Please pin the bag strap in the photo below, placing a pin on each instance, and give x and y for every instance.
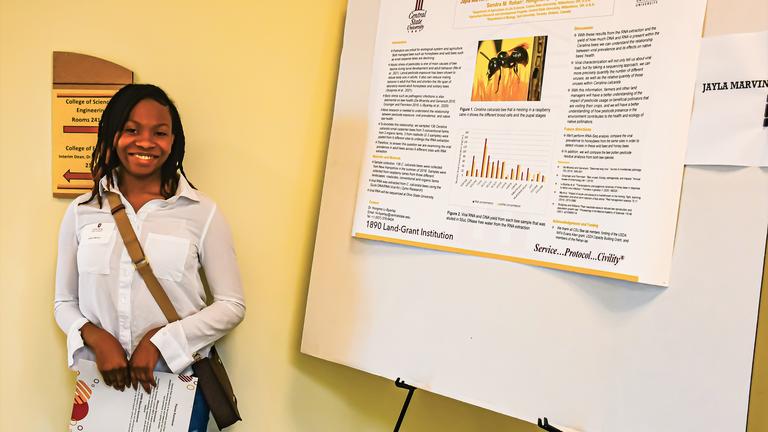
(139, 259)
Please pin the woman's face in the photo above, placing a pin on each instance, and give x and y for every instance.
(145, 141)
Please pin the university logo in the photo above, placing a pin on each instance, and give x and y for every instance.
(416, 18)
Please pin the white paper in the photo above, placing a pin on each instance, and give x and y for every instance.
(548, 133)
(729, 125)
(98, 407)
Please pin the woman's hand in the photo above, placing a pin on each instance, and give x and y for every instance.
(143, 362)
(110, 357)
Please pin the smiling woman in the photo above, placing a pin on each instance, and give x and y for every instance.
(101, 302)
(142, 120)
(145, 142)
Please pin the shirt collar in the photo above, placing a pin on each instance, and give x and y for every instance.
(184, 189)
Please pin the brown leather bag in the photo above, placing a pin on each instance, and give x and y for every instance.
(217, 389)
(211, 375)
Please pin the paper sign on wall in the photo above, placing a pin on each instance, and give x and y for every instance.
(729, 125)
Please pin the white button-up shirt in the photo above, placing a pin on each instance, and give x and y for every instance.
(96, 281)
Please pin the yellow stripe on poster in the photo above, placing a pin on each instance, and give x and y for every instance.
(582, 270)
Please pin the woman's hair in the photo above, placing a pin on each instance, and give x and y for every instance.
(104, 159)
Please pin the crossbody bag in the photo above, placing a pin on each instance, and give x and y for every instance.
(211, 375)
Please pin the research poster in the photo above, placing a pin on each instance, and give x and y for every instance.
(98, 407)
(549, 133)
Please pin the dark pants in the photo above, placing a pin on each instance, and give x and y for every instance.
(200, 413)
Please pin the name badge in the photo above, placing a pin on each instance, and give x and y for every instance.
(98, 232)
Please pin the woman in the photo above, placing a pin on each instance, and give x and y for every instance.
(101, 302)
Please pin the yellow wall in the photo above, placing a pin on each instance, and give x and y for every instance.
(254, 82)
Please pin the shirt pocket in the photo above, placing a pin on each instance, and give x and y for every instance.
(94, 250)
(167, 255)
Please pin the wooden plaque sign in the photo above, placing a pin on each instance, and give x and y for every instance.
(82, 86)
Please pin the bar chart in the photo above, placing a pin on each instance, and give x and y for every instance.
(503, 168)
(497, 169)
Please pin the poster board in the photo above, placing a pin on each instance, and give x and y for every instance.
(589, 353)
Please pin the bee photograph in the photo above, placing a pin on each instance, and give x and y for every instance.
(509, 69)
